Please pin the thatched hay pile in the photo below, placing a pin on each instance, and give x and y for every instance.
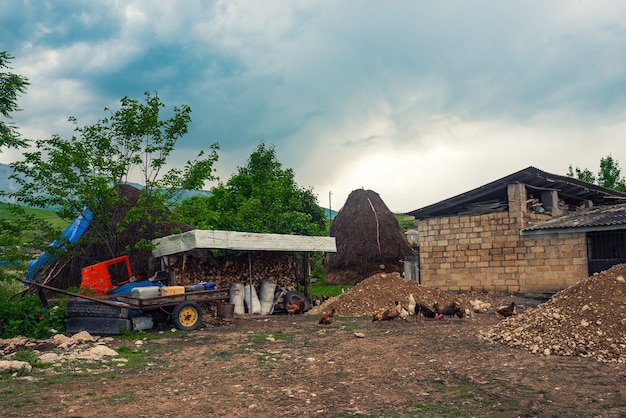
(369, 240)
(66, 270)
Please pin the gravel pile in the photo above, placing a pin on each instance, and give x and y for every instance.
(587, 320)
(382, 289)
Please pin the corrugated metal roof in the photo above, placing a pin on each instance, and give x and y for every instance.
(492, 196)
(593, 219)
(241, 241)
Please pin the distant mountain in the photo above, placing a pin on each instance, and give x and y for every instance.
(330, 213)
(6, 184)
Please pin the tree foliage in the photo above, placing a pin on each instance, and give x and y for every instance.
(11, 85)
(609, 175)
(14, 252)
(260, 197)
(73, 175)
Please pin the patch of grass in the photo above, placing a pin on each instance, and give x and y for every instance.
(130, 335)
(262, 337)
(30, 357)
(49, 215)
(319, 288)
(122, 398)
(135, 358)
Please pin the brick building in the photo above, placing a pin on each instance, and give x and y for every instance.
(530, 232)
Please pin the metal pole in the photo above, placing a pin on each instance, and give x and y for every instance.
(330, 209)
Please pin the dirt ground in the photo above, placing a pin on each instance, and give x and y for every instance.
(563, 357)
(291, 366)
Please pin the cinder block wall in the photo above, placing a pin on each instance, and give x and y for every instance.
(487, 253)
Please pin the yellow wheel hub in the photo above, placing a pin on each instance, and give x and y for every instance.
(188, 316)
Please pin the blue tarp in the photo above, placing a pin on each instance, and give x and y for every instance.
(71, 234)
(128, 287)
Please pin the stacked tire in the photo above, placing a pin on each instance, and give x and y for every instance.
(291, 297)
(96, 318)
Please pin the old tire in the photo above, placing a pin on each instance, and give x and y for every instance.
(293, 296)
(98, 325)
(88, 308)
(187, 315)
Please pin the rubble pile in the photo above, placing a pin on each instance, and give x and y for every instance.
(57, 350)
(382, 289)
(586, 320)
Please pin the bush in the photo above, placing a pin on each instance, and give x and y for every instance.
(27, 317)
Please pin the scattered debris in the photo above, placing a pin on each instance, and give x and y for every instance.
(59, 348)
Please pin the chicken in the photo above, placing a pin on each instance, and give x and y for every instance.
(294, 308)
(507, 310)
(411, 304)
(424, 310)
(328, 317)
(449, 309)
(378, 315)
(392, 313)
(404, 314)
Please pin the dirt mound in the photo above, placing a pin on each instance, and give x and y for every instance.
(586, 320)
(382, 289)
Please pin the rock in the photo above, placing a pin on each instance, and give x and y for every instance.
(49, 358)
(83, 336)
(10, 366)
(96, 353)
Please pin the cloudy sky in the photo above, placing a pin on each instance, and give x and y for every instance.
(416, 100)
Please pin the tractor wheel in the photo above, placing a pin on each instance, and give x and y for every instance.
(97, 325)
(87, 308)
(187, 315)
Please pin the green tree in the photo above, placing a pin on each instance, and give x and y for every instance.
(261, 197)
(83, 172)
(608, 176)
(17, 239)
(11, 85)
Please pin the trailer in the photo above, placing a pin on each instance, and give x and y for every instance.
(183, 309)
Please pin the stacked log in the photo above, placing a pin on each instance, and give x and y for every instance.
(278, 267)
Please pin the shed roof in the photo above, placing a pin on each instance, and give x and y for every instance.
(492, 196)
(242, 241)
(600, 218)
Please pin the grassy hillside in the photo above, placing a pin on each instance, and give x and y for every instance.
(48, 215)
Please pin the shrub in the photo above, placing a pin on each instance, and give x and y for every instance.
(27, 317)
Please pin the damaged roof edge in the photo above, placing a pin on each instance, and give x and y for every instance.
(241, 241)
(547, 231)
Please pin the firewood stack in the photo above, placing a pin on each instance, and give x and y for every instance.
(278, 267)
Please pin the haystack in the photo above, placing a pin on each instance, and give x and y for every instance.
(369, 240)
(66, 270)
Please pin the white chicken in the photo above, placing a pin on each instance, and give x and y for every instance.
(411, 305)
(404, 314)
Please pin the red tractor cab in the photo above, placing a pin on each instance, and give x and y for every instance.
(106, 275)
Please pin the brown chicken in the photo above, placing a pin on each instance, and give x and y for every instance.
(328, 317)
(390, 314)
(507, 310)
(378, 315)
(294, 308)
